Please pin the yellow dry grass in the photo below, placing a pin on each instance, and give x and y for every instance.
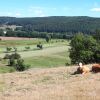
(50, 84)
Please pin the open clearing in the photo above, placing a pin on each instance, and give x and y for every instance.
(49, 84)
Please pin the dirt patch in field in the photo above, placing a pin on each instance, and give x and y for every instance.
(50, 84)
(14, 38)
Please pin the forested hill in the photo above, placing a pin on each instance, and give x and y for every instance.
(55, 24)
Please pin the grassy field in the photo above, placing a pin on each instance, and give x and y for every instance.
(53, 60)
(28, 42)
(50, 84)
(21, 44)
(55, 53)
(48, 78)
(6, 69)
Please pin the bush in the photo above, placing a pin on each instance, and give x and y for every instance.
(15, 56)
(8, 49)
(48, 38)
(20, 66)
(11, 62)
(16, 62)
(39, 46)
(15, 49)
(67, 63)
(7, 56)
(83, 49)
(97, 53)
(27, 48)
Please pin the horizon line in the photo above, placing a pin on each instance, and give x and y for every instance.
(48, 16)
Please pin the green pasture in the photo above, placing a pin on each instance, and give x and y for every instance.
(53, 60)
(33, 41)
(54, 54)
(21, 44)
(6, 69)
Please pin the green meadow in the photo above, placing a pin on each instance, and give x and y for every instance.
(54, 54)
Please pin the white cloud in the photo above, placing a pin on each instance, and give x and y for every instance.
(95, 9)
(17, 14)
(37, 11)
(41, 11)
(9, 14)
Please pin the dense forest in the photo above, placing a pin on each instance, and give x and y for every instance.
(57, 26)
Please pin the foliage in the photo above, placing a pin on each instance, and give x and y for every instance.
(15, 49)
(27, 48)
(15, 56)
(48, 37)
(11, 62)
(39, 46)
(20, 66)
(8, 49)
(54, 24)
(83, 49)
(58, 26)
(16, 62)
(97, 53)
(7, 56)
(12, 59)
(97, 35)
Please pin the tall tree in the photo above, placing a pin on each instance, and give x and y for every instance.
(83, 49)
(97, 35)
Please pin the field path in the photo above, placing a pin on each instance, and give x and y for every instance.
(45, 51)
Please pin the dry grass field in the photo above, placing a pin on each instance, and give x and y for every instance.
(49, 84)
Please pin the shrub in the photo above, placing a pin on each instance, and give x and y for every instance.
(48, 38)
(15, 56)
(97, 53)
(12, 58)
(8, 49)
(15, 49)
(11, 62)
(27, 48)
(67, 63)
(83, 49)
(16, 62)
(20, 66)
(39, 46)
(7, 56)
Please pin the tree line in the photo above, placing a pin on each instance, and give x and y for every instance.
(55, 24)
(34, 34)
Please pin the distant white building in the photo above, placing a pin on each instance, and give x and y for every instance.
(13, 27)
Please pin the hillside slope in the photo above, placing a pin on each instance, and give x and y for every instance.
(55, 23)
(50, 84)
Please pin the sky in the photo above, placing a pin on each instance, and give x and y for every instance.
(42, 8)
